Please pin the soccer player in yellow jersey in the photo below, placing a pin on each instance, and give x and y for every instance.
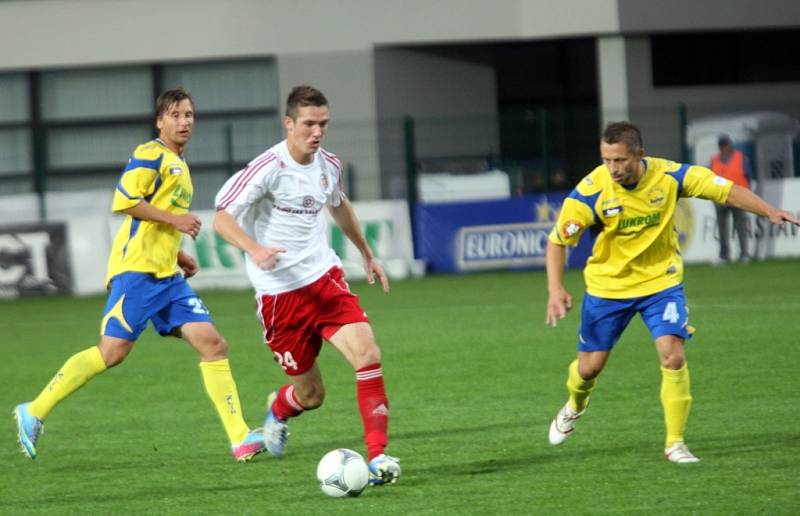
(146, 282)
(629, 202)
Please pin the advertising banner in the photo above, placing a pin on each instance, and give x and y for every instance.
(491, 235)
(696, 221)
(33, 260)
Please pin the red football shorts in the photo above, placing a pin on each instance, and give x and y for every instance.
(296, 322)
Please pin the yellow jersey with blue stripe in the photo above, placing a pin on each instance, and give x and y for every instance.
(155, 174)
(636, 251)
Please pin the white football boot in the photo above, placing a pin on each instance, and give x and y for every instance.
(680, 454)
(563, 424)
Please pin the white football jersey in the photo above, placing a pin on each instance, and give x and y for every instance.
(279, 203)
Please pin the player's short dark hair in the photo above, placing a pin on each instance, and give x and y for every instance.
(623, 132)
(302, 96)
(171, 97)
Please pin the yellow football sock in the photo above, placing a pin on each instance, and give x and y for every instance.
(677, 402)
(74, 374)
(222, 390)
(579, 389)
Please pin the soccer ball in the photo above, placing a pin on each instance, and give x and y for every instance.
(342, 472)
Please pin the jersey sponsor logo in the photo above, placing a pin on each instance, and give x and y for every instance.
(656, 197)
(651, 219)
(181, 198)
(294, 211)
(501, 245)
(571, 228)
(612, 211)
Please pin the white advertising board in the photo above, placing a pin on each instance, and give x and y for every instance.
(385, 224)
(696, 220)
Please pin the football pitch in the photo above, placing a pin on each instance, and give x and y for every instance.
(474, 378)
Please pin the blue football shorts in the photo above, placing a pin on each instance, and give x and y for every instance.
(603, 320)
(135, 298)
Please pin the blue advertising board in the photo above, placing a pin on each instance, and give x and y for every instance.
(490, 235)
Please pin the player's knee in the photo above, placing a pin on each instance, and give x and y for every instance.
(113, 358)
(673, 361)
(589, 371)
(215, 348)
(367, 355)
(114, 354)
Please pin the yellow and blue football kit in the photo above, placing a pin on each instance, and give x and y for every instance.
(145, 284)
(636, 250)
(635, 266)
(143, 276)
(159, 176)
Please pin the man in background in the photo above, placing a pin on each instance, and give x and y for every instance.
(733, 165)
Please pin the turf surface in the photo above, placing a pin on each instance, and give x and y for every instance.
(474, 378)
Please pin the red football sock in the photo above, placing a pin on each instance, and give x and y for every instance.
(286, 404)
(374, 408)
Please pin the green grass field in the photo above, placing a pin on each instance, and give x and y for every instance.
(474, 378)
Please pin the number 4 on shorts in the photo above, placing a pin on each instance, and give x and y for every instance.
(671, 313)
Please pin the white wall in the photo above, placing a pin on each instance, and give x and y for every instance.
(44, 33)
(326, 44)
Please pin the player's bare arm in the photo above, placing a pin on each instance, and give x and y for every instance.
(187, 223)
(188, 264)
(559, 301)
(226, 226)
(746, 200)
(345, 217)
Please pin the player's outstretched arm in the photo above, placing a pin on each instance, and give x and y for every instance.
(559, 302)
(345, 217)
(187, 223)
(227, 227)
(745, 199)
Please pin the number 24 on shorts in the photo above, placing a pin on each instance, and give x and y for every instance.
(285, 360)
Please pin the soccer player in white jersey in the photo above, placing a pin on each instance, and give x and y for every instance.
(272, 210)
(146, 282)
(629, 202)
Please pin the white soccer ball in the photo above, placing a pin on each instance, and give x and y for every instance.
(342, 472)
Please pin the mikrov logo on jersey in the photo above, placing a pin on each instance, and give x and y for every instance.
(501, 245)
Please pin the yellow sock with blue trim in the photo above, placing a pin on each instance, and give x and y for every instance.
(74, 374)
(677, 402)
(221, 389)
(579, 389)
